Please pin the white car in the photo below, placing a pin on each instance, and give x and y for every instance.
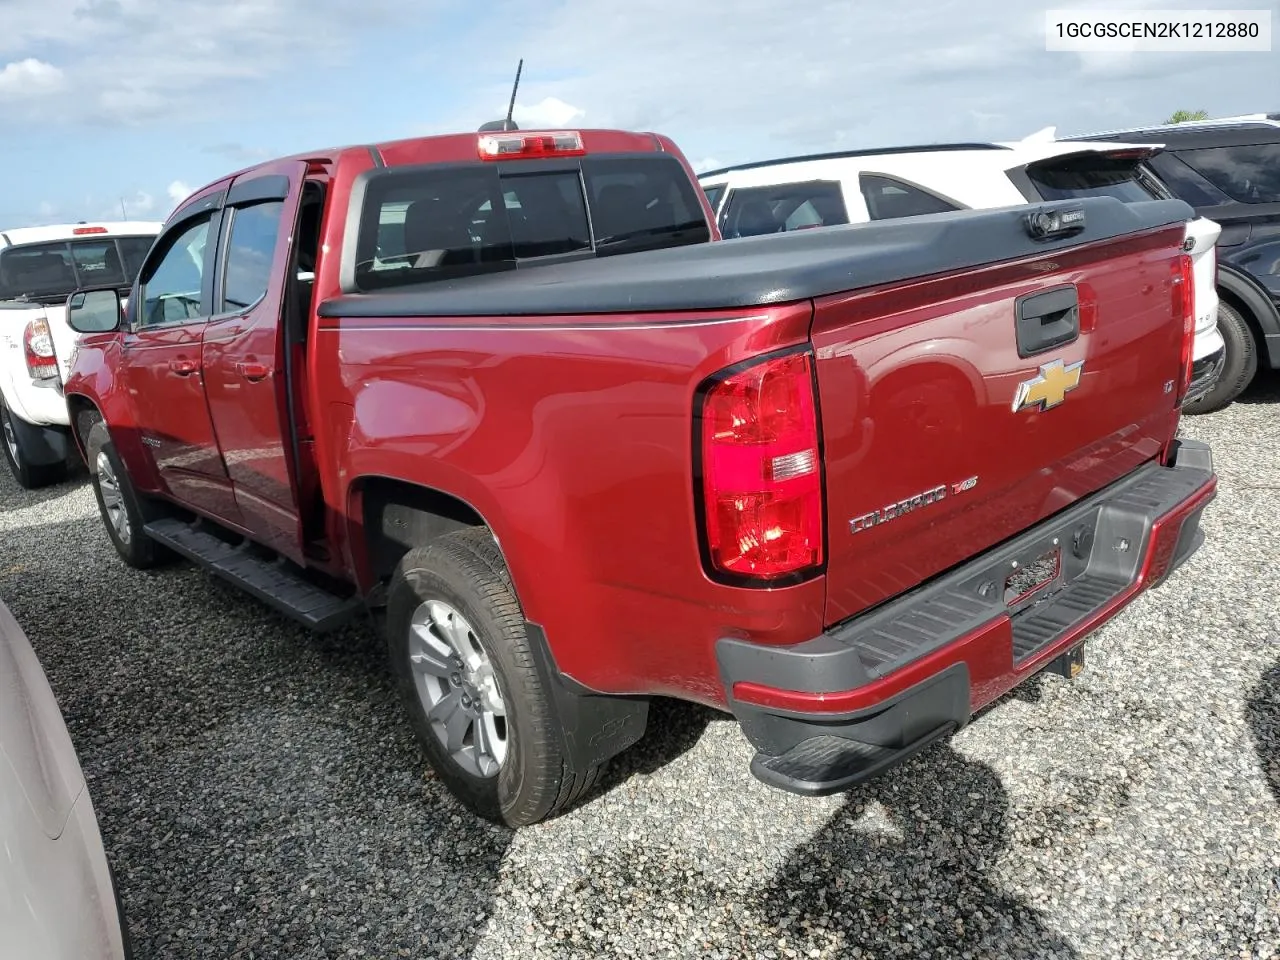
(858, 186)
(39, 268)
(57, 897)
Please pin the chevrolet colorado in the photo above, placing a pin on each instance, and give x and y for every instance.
(500, 392)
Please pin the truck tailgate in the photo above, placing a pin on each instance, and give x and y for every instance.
(959, 410)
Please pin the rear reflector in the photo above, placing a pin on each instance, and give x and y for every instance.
(81, 231)
(512, 146)
(761, 484)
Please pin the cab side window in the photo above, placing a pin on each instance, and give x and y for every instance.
(172, 285)
(250, 249)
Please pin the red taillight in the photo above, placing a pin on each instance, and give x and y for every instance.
(37, 345)
(1184, 307)
(761, 473)
(81, 231)
(512, 146)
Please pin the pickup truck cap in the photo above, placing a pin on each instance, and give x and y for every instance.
(756, 271)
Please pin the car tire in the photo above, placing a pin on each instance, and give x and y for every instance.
(1239, 366)
(124, 513)
(14, 442)
(480, 709)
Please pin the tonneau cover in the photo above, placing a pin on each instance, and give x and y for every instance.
(755, 271)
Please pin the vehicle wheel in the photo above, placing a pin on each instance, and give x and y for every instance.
(13, 439)
(1240, 366)
(124, 513)
(481, 712)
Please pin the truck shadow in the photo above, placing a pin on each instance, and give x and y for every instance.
(925, 882)
(674, 728)
(903, 868)
(1263, 711)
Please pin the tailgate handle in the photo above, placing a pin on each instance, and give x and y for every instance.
(1047, 320)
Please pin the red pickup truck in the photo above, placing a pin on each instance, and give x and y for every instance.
(500, 392)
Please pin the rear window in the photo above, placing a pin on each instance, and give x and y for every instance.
(1246, 174)
(890, 199)
(782, 208)
(1092, 176)
(435, 222)
(50, 272)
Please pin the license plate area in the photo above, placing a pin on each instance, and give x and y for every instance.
(1019, 578)
(1031, 578)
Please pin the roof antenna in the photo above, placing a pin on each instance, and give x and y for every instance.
(508, 123)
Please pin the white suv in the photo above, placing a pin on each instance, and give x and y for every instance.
(39, 268)
(857, 186)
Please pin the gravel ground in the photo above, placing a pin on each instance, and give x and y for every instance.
(261, 796)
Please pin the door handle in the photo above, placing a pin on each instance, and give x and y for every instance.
(253, 371)
(183, 367)
(1047, 320)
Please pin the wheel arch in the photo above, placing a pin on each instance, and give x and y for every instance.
(83, 414)
(1244, 293)
(387, 517)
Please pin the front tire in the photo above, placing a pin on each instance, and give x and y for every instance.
(1239, 366)
(461, 657)
(124, 514)
(15, 441)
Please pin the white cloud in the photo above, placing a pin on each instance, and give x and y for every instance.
(705, 164)
(178, 191)
(546, 113)
(30, 78)
(754, 78)
(134, 61)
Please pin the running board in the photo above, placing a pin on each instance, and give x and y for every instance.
(274, 583)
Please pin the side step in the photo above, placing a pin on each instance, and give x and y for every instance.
(273, 583)
(825, 764)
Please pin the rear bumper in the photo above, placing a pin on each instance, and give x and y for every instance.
(841, 708)
(40, 403)
(1204, 374)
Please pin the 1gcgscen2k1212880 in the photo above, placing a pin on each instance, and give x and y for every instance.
(510, 393)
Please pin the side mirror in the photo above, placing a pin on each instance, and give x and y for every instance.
(94, 311)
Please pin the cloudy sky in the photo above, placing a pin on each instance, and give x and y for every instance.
(139, 100)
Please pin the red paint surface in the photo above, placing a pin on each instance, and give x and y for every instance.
(575, 443)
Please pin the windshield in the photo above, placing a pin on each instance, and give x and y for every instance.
(51, 272)
(1092, 175)
(436, 222)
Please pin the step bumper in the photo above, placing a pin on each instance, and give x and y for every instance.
(848, 705)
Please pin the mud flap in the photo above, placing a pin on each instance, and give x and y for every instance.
(41, 446)
(593, 727)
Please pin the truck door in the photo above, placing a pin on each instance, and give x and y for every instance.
(161, 367)
(244, 353)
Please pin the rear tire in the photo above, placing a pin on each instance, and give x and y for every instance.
(124, 513)
(456, 630)
(14, 442)
(1241, 363)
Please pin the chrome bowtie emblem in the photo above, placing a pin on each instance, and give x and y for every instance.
(1049, 387)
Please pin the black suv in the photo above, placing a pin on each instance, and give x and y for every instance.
(1230, 172)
